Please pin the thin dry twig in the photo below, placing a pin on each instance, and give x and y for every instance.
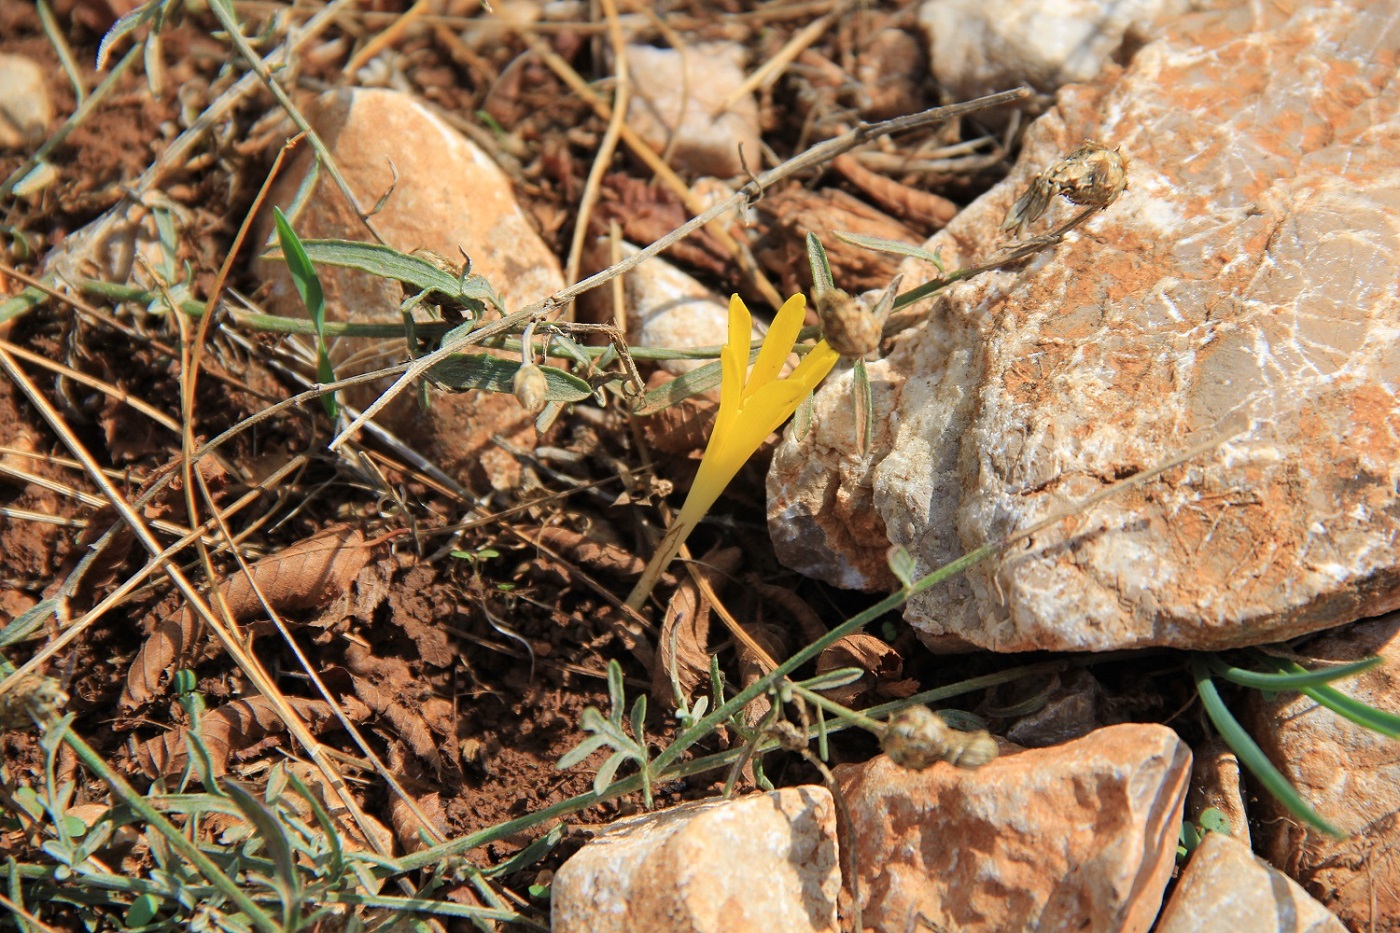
(606, 148)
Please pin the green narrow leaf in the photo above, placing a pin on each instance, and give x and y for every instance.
(581, 751)
(308, 283)
(323, 820)
(865, 408)
(605, 774)
(529, 855)
(639, 719)
(325, 374)
(822, 281)
(830, 680)
(493, 374)
(273, 835)
(616, 696)
(28, 622)
(1250, 754)
(1287, 678)
(1377, 720)
(123, 26)
(416, 271)
(902, 565)
(881, 245)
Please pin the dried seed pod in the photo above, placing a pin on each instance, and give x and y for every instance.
(1091, 176)
(917, 737)
(847, 325)
(531, 388)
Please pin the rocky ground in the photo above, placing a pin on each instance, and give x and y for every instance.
(258, 664)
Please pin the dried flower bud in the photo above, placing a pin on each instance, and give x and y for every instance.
(917, 737)
(531, 388)
(1091, 176)
(34, 697)
(847, 325)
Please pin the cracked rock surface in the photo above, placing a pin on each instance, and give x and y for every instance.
(1245, 284)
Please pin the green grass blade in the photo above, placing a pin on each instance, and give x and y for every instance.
(1250, 754)
(28, 622)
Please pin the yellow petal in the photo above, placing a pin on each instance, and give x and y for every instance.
(815, 365)
(777, 344)
(734, 364)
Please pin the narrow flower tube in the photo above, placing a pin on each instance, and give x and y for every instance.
(749, 410)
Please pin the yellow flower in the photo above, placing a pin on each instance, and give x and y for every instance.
(749, 410)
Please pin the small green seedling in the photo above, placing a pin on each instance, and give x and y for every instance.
(1211, 820)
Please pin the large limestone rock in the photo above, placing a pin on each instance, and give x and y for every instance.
(1247, 278)
(1348, 774)
(760, 863)
(1225, 889)
(1081, 836)
(451, 198)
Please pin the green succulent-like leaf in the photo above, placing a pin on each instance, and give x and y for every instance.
(1250, 754)
(1285, 677)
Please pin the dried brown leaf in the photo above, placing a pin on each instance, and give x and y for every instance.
(683, 428)
(687, 624)
(409, 828)
(923, 209)
(387, 686)
(790, 214)
(803, 616)
(881, 662)
(308, 574)
(231, 730)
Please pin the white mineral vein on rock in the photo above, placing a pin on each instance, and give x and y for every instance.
(1247, 277)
